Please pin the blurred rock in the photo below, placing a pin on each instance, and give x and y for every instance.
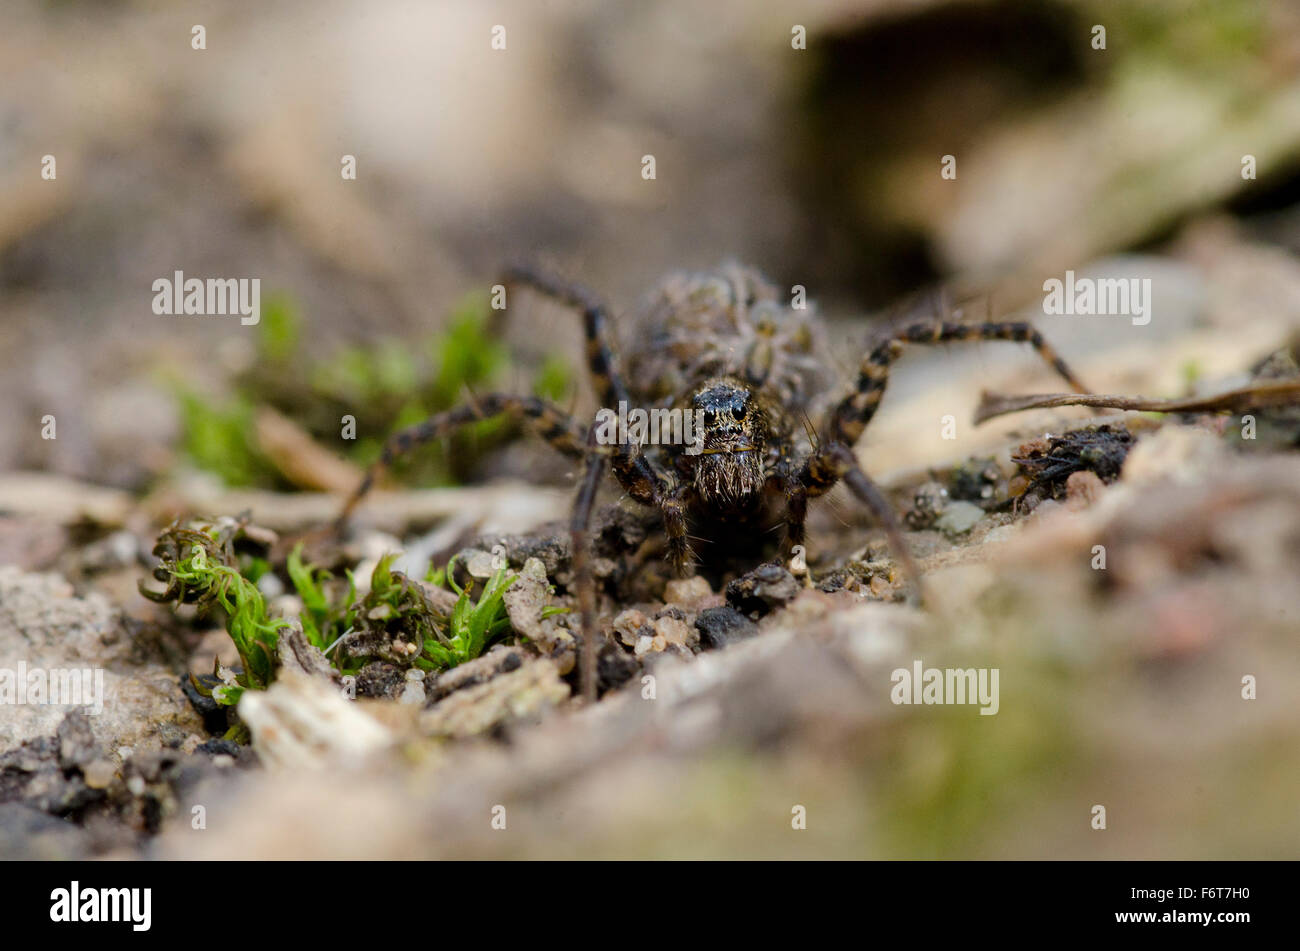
(302, 722)
(46, 627)
(520, 695)
(722, 626)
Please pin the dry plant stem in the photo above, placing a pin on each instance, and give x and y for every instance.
(1249, 397)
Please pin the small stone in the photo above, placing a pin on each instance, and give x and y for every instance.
(614, 668)
(480, 670)
(927, 504)
(270, 585)
(719, 627)
(1083, 488)
(880, 587)
(766, 587)
(219, 747)
(118, 550)
(675, 630)
(77, 746)
(43, 623)
(631, 625)
(974, 480)
(1179, 454)
(959, 518)
(304, 722)
(379, 679)
(686, 590)
(99, 773)
(481, 564)
(523, 694)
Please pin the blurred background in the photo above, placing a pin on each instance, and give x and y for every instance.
(820, 166)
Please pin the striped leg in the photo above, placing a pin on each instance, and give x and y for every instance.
(584, 582)
(608, 381)
(854, 412)
(785, 479)
(835, 461)
(555, 425)
(639, 477)
(648, 484)
(645, 483)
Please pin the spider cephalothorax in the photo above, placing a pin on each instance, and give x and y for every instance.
(728, 470)
(728, 346)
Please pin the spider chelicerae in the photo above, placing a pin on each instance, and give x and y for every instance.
(729, 345)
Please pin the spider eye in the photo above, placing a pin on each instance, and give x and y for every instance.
(737, 413)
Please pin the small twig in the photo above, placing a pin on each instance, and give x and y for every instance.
(1256, 396)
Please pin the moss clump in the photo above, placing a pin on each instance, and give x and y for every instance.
(384, 385)
(198, 563)
(472, 626)
(209, 565)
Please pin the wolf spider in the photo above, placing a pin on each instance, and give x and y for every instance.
(725, 344)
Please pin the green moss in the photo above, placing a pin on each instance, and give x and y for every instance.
(956, 775)
(217, 436)
(199, 566)
(324, 619)
(465, 354)
(553, 380)
(385, 384)
(473, 625)
(279, 329)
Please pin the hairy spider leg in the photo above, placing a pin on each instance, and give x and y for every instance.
(845, 424)
(556, 426)
(608, 381)
(848, 419)
(580, 556)
(834, 462)
(640, 477)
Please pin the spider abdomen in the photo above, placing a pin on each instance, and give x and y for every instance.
(732, 322)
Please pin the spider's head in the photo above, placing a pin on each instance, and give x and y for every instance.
(729, 466)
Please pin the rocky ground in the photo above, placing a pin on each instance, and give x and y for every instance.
(1130, 575)
(728, 710)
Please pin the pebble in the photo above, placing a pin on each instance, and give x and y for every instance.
(959, 518)
(719, 627)
(766, 587)
(99, 774)
(686, 590)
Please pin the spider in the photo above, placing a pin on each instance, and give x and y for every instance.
(726, 344)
